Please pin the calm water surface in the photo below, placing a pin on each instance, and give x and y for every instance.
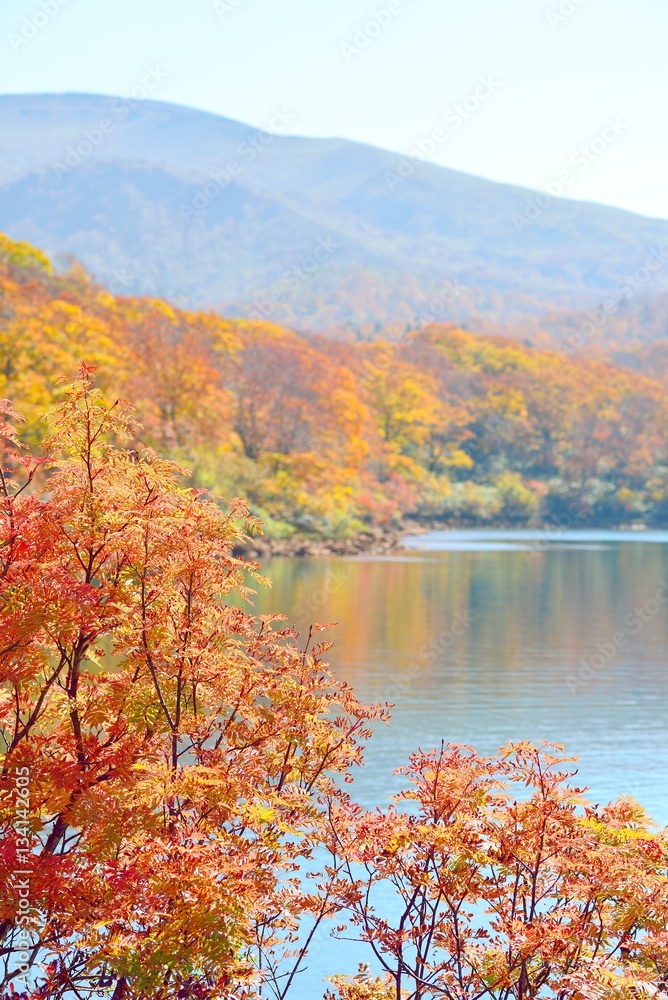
(481, 637)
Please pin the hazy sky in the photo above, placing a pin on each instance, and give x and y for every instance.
(387, 73)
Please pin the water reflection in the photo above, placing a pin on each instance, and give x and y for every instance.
(487, 637)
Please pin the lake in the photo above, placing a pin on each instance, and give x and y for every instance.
(509, 625)
(482, 637)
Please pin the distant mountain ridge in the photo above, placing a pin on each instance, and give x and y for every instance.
(162, 200)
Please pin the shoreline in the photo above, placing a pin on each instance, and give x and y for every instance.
(387, 541)
(375, 541)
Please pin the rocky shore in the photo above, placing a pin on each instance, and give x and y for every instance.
(375, 541)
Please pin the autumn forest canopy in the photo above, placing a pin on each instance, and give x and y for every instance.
(177, 817)
(177, 802)
(325, 437)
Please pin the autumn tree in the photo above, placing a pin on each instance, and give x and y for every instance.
(288, 398)
(402, 397)
(464, 890)
(168, 761)
(173, 810)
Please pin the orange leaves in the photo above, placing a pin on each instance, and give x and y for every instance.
(322, 436)
(185, 761)
(181, 754)
(7, 414)
(363, 986)
(288, 398)
(174, 377)
(485, 895)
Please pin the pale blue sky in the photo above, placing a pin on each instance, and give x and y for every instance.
(556, 83)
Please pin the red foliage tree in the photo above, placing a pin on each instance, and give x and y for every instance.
(465, 892)
(167, 759)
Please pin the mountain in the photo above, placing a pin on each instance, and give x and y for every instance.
(168, 201)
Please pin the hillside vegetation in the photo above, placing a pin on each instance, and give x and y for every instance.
(324, 437)
(178, 790)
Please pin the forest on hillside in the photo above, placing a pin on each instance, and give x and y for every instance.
(178, 810)
(326, 437)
